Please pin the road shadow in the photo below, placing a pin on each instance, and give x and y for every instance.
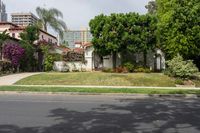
(136, 116)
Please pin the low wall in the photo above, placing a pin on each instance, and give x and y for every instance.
(62, 66)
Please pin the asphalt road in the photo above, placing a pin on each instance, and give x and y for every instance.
(97, 114)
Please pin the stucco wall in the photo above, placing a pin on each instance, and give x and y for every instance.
(89, 59)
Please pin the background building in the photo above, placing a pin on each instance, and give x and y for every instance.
(23, 19)
(80, 36)
(3, 14)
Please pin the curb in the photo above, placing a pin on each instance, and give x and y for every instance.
(102, 94)
(106, 87)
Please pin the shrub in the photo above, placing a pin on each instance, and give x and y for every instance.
(121, 70)
(143, 70)
(179, 82)
(48, 63)
(57, 57)
(5, 67)
(14, 53)
(107, 70)
(177, 67)
(129, 66)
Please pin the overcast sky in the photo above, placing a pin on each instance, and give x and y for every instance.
(77, 13)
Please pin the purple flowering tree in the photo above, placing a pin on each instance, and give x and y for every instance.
(14, 53)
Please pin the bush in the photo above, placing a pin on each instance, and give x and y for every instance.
(121, 70)
(48, 63)
(129, 66)
(57, 57)
(179, 82)
(107, 70)
(5, 67)
(143, 70)
(14, 53)
(177, 67)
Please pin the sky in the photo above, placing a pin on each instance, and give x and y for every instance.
(77, 13)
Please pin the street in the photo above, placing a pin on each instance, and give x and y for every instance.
(31, 113)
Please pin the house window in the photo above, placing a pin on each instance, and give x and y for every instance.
(42, 37)
(13, 35)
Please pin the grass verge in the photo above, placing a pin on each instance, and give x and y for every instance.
(99, 90)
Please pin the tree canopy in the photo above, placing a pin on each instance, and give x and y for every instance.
(122, 32)
(179, 26)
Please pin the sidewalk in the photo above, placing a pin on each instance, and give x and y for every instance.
(11, 79)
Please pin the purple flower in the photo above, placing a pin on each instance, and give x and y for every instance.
(13, 52)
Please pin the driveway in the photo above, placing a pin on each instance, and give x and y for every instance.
(26, 113)
(11, 79)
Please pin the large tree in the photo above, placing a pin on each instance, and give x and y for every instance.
(179, 26)
(51, 17)
(119, 33)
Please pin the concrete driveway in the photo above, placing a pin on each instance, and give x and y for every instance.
(11, 79)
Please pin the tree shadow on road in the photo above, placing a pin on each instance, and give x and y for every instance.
(137, 116)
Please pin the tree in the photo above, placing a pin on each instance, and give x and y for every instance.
(107, 34)
(3, 37)
(147, 35)
(28, 39)
(178, 27)
(120, 33)
(51, 17)
(151, 7)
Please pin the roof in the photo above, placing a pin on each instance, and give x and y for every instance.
(8, 23)
(48, 33)
(78, 50)
(16, 27)
(64, 49)
(87, 44)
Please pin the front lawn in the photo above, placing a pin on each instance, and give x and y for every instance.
(99, 90)
(100, 79)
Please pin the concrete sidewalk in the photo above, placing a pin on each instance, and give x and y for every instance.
(11, 79)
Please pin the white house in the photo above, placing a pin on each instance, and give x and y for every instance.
(155, 60)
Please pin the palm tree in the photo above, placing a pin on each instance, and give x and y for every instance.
(3, 37)
(51, 17)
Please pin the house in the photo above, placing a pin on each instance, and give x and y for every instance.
(14, 31)
(155, 60)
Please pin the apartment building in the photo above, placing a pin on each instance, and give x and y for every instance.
(23, 19)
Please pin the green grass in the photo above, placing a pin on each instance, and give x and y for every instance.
(99, 90)
(100, 79)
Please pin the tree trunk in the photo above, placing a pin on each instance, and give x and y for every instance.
(114, 60)
(45, 27)
(1, 54)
